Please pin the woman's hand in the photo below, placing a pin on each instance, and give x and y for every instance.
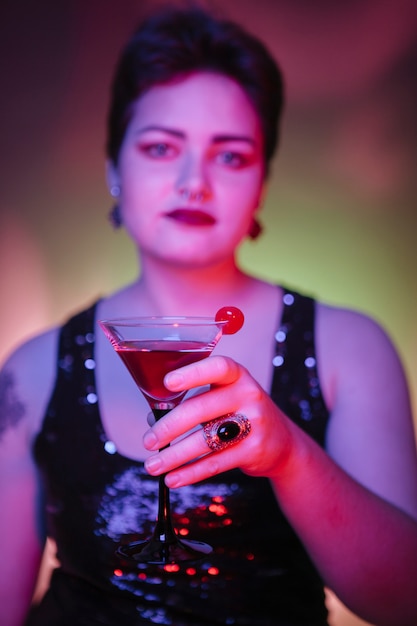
(233, 390)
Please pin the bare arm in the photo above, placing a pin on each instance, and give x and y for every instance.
(371, 437)
(356, 512)
(25, 382)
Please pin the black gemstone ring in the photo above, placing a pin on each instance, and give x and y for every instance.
(226, 431)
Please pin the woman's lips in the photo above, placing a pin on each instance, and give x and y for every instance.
(192, 217)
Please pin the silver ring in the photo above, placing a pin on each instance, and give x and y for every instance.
(226, 431)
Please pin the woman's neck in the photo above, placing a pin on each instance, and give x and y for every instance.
(175, 290)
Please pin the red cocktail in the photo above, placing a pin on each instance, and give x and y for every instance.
(149, 361)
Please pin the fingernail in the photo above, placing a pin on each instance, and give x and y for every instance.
(172, 481)
(174, 380)
(153, 464)
(150, 441)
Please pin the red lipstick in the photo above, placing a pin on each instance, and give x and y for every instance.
(191, 217)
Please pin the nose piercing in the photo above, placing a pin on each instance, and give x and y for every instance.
(194, 196)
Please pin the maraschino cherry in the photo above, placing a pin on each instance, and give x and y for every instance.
(234, 318)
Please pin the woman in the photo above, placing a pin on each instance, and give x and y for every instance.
(321, 491)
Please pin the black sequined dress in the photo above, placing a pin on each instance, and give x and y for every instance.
(258, 575)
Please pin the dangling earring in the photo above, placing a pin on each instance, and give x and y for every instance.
(115, 216)
(255, 229)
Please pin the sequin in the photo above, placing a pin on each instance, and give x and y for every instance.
(310, 362)
(92, 398)
(110, 447)
(280, 336)
(288, 299)
(278, 360)
(305, 410)
(66, 363)
(89, 364)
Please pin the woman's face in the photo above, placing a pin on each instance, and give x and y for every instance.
(191, 170)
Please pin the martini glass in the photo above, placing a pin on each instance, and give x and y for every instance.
(150, 347)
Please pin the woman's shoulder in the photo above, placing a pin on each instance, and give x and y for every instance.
(350, 328)
(26, 380)
(334, 323)
(28, 375)
(33, 349)
(354, 349)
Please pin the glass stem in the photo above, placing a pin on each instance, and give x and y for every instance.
(164, 529)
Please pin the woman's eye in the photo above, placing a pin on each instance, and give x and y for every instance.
(159, 150)
(232, 159)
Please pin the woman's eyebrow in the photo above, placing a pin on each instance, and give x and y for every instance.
(164, 129)
(226, 138)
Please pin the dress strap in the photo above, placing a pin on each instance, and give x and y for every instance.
(296, 385)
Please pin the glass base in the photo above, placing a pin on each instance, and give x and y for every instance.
(160, 552)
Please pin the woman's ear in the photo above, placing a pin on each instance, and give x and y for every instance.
(256, 228)
(261, 197)
(112, 177)
(113, 184)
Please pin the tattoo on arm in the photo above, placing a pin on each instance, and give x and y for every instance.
(11, 409)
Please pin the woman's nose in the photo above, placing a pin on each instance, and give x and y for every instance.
(193, 182)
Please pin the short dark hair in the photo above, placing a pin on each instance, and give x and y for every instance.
(175, 42)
